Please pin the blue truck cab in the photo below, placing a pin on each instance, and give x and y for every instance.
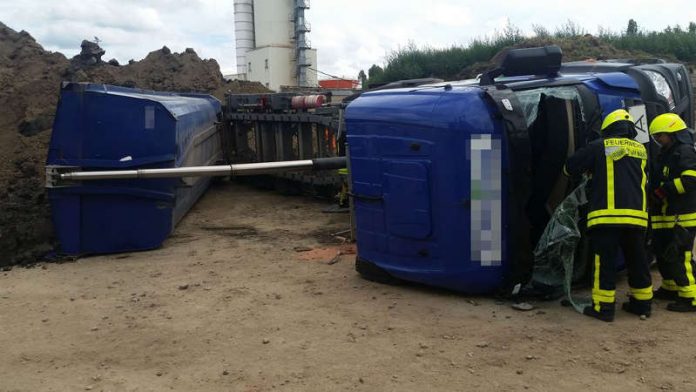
(454, 182)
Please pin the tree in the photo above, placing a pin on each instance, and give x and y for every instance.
(375, 71)
(632, 28)
(692, 27)
(362, 78)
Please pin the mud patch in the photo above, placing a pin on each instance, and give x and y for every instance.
(232, 231)
(330, 235)
(327, 254)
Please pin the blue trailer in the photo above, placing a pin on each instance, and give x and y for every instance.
(101, 127)
(454, 182)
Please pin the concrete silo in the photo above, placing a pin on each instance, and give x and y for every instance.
(243, 32)
(281, 53)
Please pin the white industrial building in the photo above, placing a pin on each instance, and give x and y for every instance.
(272, 44)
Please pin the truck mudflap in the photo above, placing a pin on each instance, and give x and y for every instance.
(518, 149)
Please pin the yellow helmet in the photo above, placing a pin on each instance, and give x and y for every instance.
(667, 123)
(616, 115)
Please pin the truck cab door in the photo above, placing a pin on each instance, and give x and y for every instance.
(518, 187)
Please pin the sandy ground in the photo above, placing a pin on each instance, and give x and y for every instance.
(235, 302)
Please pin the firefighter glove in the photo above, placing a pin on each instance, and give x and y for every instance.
(660, 193)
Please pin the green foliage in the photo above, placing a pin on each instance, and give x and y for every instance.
(540, 31)
(569, 29)
(672, 41)
(412, 62)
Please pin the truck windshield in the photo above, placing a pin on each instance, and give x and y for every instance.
(531, 99)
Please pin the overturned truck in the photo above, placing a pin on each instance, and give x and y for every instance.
(453, 183)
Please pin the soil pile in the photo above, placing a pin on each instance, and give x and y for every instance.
(160, 70)
(30, 79)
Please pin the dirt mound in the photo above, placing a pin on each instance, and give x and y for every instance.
(574, 49)
(160, 70)
(29, 82)
(30, 78)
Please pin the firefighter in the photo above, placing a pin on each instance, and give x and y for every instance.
(617, 216)
(674, 211)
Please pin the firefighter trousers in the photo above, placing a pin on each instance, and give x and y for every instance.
(673, 249)
(606, 242)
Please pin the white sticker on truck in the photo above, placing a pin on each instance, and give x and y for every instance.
(486, 235)
(149, 117)
(640, 117)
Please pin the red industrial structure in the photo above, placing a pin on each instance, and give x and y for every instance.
(339, 84)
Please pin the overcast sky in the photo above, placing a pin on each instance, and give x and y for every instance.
(349, 35)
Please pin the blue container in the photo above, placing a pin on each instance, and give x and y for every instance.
(101, 127)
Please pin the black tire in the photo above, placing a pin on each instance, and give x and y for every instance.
(369, 271)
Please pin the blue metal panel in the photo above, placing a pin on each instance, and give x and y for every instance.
(612, 97)
(107, 127)
(618, 80)
(411, 173)
(406, 188)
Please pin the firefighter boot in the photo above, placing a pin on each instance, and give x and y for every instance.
(682, 305)
(637, 307)
(605, 312)
(663, 293)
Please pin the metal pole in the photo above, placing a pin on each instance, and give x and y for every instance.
(243, 169)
